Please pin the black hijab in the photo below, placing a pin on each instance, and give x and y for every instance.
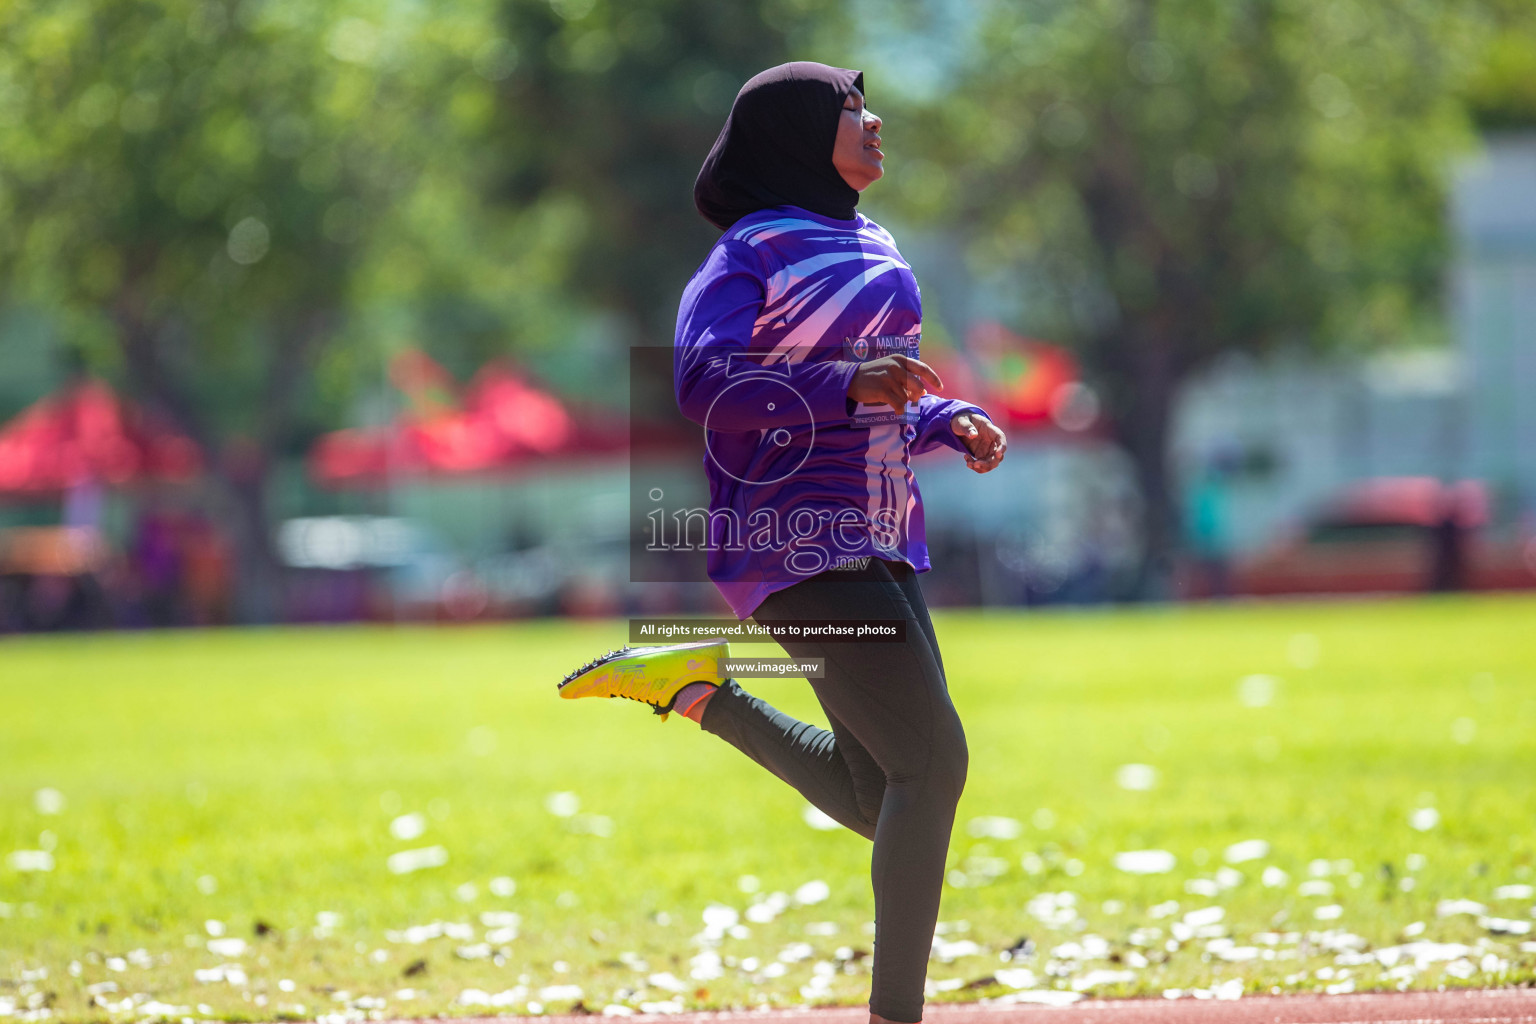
(776, 146)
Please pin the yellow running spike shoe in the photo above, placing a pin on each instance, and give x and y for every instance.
(650, 675)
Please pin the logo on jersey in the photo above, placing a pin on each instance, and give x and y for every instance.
(878, 346)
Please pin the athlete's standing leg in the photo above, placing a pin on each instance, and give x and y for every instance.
(892, 768)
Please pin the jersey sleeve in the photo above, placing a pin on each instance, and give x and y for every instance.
(711, 354)
(933, 429)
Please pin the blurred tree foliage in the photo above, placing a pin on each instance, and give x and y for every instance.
(201, 191)
(1501, 93)
(613, 105)
(1180, 178)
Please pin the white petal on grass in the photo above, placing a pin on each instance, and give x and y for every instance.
(1204, 916)
(48, 801)
(229, 948)
(1504, 925)
(1257, 691)
(1449, 908)
(1206, 887)
(1015, 977)
(502, 886)
(562, 804)
(1042, 997)
(408, 826)
(406, 861)
(1230, 951)
(1136, 777)
(795, 952)
(705, 966)
(812, 892)
(1054, 909)
(1515, 892)
(818, 819)
(1329, 912)
(30, 860)
(1315, 887)
(674, 1005)
(1424, 819)
(720, 916)
(994, 827)
(500, 919)
(1145, 862)
(1100, 978)
(1273, 877)
(948, 952)
(666, 981)
(232, 974)
(560, 993)
(1248, 849)
(617, 1010)
(1229, 878)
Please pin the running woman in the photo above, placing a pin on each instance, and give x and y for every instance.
(797, 350)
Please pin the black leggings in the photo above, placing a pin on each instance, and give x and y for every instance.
(892, 766)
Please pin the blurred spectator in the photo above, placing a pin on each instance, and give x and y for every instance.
(1208, 528)
(155, 562)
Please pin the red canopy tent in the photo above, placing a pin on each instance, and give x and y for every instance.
(86, 434)
(502, 421)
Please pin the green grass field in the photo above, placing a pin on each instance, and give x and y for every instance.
(202, 822)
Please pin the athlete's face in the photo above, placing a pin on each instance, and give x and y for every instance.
(856, 154)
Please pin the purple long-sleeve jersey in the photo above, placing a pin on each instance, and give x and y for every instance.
(770, 331)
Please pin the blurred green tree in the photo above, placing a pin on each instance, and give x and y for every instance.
(1502, 91)
(615, 105)
(1181, 178)
(213, 197)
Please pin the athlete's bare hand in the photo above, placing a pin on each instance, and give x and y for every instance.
(894, 381)
(984, 442)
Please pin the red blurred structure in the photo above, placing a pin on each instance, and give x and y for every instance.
(86, 434)
(502, 422)
(1393, 535)
(1027, 380)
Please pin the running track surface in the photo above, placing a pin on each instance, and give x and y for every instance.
(1500, 1006)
